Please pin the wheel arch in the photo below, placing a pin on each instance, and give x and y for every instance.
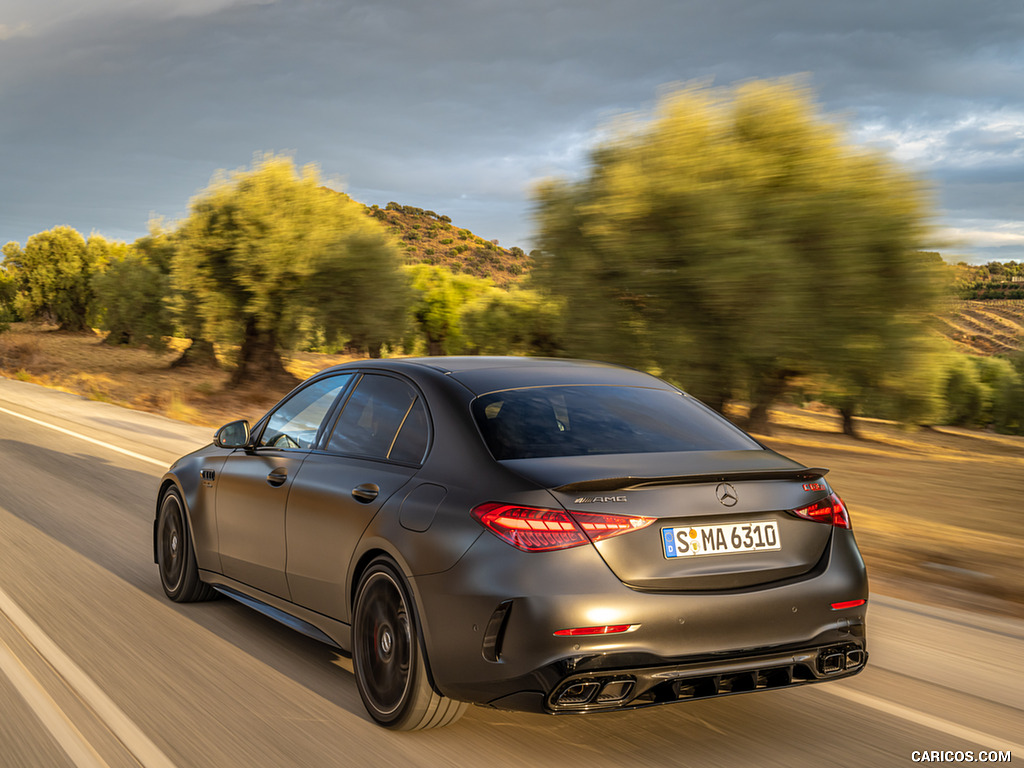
(382, 548)
(370, 552)
(169, 481)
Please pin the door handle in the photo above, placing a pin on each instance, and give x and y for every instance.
(365, 493)
(278, 477)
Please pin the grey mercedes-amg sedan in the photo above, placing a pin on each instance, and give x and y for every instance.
(521, 533)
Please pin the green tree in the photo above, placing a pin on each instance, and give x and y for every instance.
(56, 271)
(514, 322)
(966, 396)
(8, 291)
(10, 284)
(438, 299)
(131, 300)
(734, 239)
(259, 252)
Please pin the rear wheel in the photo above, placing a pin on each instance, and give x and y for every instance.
(390, 665)
(179, 574)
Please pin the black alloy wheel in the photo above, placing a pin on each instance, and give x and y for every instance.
(390, 665)
(179, 574)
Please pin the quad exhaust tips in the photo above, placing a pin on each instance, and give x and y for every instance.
(840, 660)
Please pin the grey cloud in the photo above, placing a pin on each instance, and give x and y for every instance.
(456, 105)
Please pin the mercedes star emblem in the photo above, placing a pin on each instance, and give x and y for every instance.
(726, 494)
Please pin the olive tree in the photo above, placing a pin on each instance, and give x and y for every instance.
(266, 251)
(55, 270)
(735, 240)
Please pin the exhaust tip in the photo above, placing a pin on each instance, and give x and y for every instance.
(855, 658)
(833, 662)
(578, 693)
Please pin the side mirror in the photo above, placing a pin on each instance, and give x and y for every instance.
(233, 435)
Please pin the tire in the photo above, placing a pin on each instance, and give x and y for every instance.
(179, 575)
(388, 657)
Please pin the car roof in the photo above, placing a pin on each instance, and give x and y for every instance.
(481, 373)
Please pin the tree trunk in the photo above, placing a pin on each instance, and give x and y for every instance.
(767, 389)
(259, 360)
(716, 402)
(198, 353)
(849, 428)
(118, 339)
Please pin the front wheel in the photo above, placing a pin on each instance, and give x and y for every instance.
(390, 664)
(179, 574)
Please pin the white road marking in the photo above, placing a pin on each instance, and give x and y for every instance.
(133, 739)
(985, 740)
(49, 714)
(93, 440)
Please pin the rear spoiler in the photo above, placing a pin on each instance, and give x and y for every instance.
(632, 483)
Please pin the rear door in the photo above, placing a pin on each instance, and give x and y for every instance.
(375, 446)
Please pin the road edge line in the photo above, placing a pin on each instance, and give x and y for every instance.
(986, 740)
(86, 438)
(47, 712)
(131, 736)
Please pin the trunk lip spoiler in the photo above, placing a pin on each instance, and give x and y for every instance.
(634, 483)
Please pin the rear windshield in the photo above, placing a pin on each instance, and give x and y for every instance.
(575, 421)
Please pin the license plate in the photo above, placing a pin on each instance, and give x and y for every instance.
(697, 540)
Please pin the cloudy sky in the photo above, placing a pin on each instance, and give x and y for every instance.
(116, 111)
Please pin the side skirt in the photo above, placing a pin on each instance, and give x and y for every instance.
(310, 623)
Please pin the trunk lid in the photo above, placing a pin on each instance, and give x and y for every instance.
(729, 510)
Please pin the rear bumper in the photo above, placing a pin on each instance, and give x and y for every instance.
(613, 689)
(489, 627)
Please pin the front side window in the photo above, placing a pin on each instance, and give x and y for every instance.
(297, 420)
(584, 420)
(384, 418)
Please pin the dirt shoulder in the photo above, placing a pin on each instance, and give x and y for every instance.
(936, 512)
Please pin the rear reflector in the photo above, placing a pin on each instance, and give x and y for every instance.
(616, 629)
(848, 604)
(535, 529)
(829, 510)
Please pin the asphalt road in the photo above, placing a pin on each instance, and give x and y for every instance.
(98, 668)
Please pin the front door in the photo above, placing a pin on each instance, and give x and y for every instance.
(254, 485)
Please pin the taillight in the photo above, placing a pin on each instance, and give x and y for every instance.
(829, 510)
(535, 529)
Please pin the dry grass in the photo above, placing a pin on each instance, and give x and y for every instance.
(138, 378)
(937, 512)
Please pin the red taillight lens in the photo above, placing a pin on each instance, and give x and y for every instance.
(830, 510)
(535, 529)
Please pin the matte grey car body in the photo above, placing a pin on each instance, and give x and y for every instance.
(528, 534)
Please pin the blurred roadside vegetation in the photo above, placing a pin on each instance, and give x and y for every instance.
(733, 242)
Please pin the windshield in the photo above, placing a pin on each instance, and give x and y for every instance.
(579, 420)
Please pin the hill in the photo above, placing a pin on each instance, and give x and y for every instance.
(991, 327)
(432, 238)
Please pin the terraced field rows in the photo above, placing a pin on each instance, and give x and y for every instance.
(984, 327)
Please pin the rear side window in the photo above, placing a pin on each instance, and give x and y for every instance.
(382, 419)
(581, 420)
